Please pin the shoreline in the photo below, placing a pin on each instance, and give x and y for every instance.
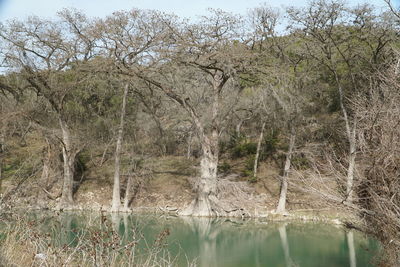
(301, 215)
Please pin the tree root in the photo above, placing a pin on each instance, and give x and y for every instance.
(228, 202)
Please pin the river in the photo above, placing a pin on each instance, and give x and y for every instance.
(222, 242)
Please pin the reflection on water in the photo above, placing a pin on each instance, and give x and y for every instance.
(225, 242)
(285, 244)
(352, 252)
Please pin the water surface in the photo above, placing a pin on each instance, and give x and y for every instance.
(226, 242)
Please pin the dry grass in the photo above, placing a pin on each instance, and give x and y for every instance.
(23, 243)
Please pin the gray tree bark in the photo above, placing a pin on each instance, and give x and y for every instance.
(260, 139)
(281, 208)
(116, 197)
(206, 202)
(350, 171)
(351, 137)
(66, 200)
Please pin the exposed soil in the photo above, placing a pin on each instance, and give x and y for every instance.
(167, 187)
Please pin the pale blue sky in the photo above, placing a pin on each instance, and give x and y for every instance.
(99, 8)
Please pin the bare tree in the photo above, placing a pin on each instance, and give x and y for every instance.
(209, 52)
(328, 41)
(379, 141)
(281, 93)
(116, 197)
(203, 55)
(43, 53)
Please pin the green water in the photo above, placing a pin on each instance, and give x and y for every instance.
(228, 242)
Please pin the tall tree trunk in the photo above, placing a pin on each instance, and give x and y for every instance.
(208, 182)
(116, 197)
(260, 138)
(281, 208)
(351, 168)
(206, 202)
(351, 137)
(66, 200)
